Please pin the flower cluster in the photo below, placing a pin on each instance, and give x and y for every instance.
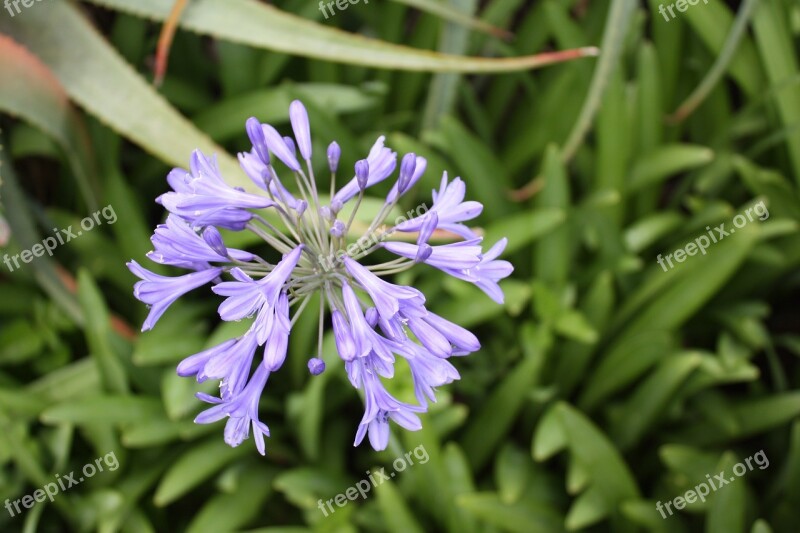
(373, 320)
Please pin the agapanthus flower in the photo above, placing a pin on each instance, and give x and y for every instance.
(374, 320)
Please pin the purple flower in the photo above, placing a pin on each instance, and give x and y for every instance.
(277, 335)
(246, 295)
(374, 321)
(379, 407)
(381, 162)
(366, 340)
(278, 147)
(420, 164)
(456, 256)
(345, 344)
(203, 198)
(450, 207)
(261, 175)
(177, 244)
(386, 296)
(232, 365)
(488, 272)
(429, 372)
(161, 291)
(242, 410)
(464, 341)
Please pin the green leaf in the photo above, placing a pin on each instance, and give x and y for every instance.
(550, 437)
(588, 509)
(228, 512)
(651, 397)
(160, 345)
(609, 474)
(303, 487)
(511, 473)
(195, 466)
(726, 510)
(666, 161)
(573, 325)
(264, 26)
(668, 299)
(624, 363)
(20, 222)
(757, 415)
(455, 16)
(29, 90)
(497, 414)
(19, 342)
(523, 228)
(552, 253)
(98, 334)
(398, 518)
(778, 54)
(618, 20)
(109, 88)
(521, 517)
(226, 119)
(111, 410)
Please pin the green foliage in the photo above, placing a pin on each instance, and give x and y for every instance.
(606, 384)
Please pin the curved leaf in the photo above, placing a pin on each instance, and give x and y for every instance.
(29, 90)
(109, 88)
(264, 26)
(450, 14)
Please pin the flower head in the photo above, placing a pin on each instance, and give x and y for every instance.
(374, 321)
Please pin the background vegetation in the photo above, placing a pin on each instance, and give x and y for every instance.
(604, 384)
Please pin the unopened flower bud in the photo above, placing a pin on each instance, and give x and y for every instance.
(423, 253)
(362, 173)
(316, 366)
(302, 131)
(337, 230)
(334, 153)
(290, 145)
(407, 166)
(213, 238)
(256, 134)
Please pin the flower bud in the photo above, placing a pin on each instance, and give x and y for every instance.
(256, 134)
(316, 366)
(423, 253)
(362, 173)
(334, 153)
(213, 238)
(338, 228)
(290, 145)
(302, 130)
(407, 166)
(429, 223)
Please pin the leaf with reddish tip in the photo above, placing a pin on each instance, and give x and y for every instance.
(30, 91)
